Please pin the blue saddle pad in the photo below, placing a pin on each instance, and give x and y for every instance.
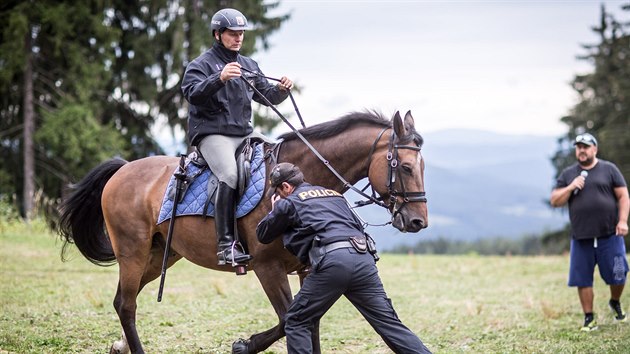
(197, 194)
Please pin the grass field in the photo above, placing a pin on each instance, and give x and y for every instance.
(456, 304)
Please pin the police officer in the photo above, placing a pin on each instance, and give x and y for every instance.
(220, 114)
(318, 227)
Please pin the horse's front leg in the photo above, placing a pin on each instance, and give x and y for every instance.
(273, 278)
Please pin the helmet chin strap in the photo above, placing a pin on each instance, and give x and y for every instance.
(218, 40)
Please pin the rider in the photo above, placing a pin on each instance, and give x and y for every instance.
(220, 115)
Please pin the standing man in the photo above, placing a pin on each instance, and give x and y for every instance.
(318, 227)
(220, 114)
(598, 208)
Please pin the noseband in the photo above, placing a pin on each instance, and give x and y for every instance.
(392, 173)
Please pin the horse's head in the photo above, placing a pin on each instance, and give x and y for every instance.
(400, 165)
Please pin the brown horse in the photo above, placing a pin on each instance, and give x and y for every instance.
(125, 197)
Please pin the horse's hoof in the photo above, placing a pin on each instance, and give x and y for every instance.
(120, 346)
(118, 349)
(240, 346)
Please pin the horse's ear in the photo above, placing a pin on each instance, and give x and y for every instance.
(402, 127)
(399, 126)
(409, 122)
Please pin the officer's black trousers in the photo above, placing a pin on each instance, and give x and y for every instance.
(347, 272)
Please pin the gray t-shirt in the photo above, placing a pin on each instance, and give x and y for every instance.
(593, 210)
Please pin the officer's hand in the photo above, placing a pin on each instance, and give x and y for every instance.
(230, 71)
(274, 199)
(285, 84)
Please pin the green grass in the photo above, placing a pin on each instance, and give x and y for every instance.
(456, 304)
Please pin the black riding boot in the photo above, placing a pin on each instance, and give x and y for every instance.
(229, 251)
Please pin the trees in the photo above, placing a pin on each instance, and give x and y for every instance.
(83, 81)
(51, 56)
(604, 97)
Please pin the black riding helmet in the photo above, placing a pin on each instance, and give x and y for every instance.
(228, 19)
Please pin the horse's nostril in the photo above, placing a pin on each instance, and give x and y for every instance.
(418, 223)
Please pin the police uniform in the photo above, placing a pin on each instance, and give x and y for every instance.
(318, 221)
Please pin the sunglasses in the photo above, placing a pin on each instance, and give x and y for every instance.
(585, 139)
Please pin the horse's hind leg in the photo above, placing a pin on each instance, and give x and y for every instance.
(135, 272)
(130, 275)
(120, 346)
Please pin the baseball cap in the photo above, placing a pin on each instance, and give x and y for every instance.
(282, 172)
(586, 139)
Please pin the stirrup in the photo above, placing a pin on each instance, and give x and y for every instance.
(235, 255)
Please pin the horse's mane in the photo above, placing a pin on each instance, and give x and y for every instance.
(334, 127)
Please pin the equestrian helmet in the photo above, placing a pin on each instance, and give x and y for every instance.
(228, 19)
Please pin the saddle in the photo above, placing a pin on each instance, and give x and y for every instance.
(198, 184)
(243, 155)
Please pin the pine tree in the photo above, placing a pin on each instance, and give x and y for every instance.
(51, 55)
(100, 74)
(604, 97)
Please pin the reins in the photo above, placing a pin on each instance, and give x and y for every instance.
(326, 163)
(295, 107)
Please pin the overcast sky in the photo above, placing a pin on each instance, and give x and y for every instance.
(502, 66)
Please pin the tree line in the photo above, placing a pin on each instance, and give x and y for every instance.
(81, 82)
(528, 245)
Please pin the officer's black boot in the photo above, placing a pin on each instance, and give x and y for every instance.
(229, 251)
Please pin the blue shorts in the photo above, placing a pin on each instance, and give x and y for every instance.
(609, 253)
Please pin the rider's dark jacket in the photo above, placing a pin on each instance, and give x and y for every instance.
(223, 108)
(308, 212)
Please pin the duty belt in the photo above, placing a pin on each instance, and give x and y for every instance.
(336, 245)
(361, 244)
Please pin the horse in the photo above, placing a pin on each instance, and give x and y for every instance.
(111, 214)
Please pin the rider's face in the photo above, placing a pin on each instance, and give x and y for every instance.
(232, 40)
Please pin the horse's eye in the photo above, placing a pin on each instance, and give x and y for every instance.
(407, 169)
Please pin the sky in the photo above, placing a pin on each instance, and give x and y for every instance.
(501, 66)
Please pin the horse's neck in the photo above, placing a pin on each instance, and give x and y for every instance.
(346, 152)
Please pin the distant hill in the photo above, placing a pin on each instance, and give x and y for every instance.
(480, 184)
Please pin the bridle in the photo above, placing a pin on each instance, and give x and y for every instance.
(392, 174)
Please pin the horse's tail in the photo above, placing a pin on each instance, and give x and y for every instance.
(81, 216)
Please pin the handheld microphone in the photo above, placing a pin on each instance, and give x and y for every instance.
(583, 174)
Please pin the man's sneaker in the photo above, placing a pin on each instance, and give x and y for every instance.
(589, 324)
(618, 313)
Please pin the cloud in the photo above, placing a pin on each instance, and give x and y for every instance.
(503, 67)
